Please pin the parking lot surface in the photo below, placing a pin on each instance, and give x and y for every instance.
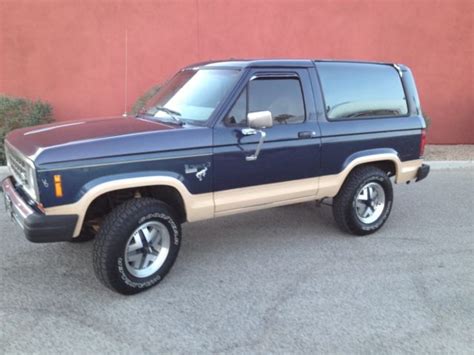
(280, 280)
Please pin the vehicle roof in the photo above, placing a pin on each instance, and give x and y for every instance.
(249, 63)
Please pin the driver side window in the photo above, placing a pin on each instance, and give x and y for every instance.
(283, 97)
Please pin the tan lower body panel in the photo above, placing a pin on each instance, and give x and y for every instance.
(198, 207)
(268, 194)
(296, 191)
(221, 203)
(329, 185)
(408, 170)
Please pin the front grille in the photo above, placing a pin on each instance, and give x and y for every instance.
(17, 165)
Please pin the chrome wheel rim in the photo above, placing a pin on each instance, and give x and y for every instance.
(147, 249)
(370, 202)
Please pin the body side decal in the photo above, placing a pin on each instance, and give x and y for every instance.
(284, 193)
(208, 205)
(197, 206)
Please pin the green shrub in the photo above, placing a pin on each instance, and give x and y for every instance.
(17, 112)
(427, 119)
(143, 100)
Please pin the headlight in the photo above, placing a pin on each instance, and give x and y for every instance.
(23, 170)
(30, 185)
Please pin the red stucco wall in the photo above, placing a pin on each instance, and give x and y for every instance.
(73, 53)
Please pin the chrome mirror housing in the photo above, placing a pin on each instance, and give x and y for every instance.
(260, 119)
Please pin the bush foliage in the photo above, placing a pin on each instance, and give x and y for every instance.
(143, 100)
(427, 119)
(17, 112)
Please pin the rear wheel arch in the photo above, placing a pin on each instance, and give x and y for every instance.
(387, 162)
(384, 158)
(388, 166)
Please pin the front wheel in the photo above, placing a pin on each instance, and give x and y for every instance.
(136, 245)
(364, 202)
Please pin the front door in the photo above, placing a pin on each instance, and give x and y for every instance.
(287, 165)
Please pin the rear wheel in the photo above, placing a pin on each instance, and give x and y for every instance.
(364, 202)
(137, 245)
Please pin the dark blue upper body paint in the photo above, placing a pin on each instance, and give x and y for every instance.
(89, 153)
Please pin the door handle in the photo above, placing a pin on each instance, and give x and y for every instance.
(306, 134)
(250, 132)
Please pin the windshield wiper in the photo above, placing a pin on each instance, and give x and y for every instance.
(173, 114)
(167, 110)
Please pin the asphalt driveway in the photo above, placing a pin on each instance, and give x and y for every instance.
(279, 280)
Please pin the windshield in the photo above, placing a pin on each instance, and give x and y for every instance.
(191, 95)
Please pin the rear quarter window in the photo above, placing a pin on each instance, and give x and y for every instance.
(359, 90)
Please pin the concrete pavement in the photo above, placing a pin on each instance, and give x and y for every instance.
(283, 280)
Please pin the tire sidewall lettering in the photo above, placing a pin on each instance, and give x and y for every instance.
(167, 219)
(125, 278)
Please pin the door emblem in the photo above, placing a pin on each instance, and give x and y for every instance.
(45, 183)
(200, 170)
(201, 174)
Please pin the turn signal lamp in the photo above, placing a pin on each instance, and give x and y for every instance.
(58, 187)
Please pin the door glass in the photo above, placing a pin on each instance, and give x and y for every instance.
(283, 97)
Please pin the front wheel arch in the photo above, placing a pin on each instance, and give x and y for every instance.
(103, 204)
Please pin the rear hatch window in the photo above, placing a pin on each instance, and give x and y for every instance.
(360, 90)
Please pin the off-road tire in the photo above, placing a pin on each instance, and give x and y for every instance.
(344, 204)
(112, 238)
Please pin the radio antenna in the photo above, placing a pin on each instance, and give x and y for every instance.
(125, 75)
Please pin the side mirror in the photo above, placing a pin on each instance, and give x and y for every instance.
(260, 119)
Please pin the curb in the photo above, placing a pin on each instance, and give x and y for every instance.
(434, 165)
(450, 164)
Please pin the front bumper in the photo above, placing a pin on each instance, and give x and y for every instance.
(423, 172)
(37, 227)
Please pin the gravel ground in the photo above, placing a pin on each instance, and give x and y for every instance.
(283, 280)
(449, 152)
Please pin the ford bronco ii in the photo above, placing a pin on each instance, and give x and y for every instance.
(219, 138)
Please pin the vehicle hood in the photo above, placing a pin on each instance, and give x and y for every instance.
(97, 138)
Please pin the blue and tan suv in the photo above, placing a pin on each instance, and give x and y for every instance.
(219, 138)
